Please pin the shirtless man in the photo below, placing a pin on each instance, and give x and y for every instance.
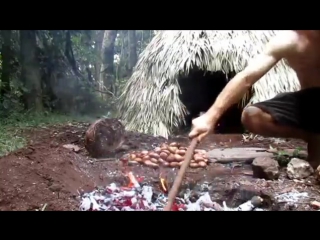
(288, 115)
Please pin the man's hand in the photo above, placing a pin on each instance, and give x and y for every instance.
(201, 127)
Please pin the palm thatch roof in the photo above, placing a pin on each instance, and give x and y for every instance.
(150, 102)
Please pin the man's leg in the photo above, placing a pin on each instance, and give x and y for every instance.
(314, 150)
(259, 122)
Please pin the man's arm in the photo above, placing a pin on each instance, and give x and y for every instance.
(233, 92)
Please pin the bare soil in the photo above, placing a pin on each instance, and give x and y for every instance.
(45, 173)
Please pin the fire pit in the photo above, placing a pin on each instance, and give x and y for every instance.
(140, 196)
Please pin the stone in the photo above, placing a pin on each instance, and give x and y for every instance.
(73, 147)
(299, 169)
(229, 155)
(317, 173)
(104, 137)
(265, 167)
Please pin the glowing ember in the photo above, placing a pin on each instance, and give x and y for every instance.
(163, 185)
(133, 181)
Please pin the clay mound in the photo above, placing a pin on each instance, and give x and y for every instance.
(104, 136)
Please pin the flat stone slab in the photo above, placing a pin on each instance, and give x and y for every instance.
(229, 155)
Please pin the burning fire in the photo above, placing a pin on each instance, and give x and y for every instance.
(133, 181)
(140, 197)
(163, 184)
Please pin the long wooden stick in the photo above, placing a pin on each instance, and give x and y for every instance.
(177, 182)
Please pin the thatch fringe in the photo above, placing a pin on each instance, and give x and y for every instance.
(150, 102)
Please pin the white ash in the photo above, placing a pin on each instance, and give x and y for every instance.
(292, 197)
(143, 198)
(251, 205)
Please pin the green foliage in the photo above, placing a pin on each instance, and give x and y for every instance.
(83, 49)
(284, 158)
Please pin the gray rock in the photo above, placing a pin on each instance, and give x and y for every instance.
(299, 169)
(318, 173)
(229, 155)
(265, 167)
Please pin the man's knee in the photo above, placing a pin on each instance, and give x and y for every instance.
(252, 118)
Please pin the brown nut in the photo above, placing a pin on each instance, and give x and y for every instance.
(144, 152)
(197, 157)
(145, 158)
(139, 160)
(165, 164)
(174, 164)
(178, 157)
(157, 150)
(160, 160)
(174, 144)
(153, 160)
(205, 156)
(151, 164)
(194, 165)
(183, 148)
(202, 164)
(154, 155)
(133, 156)
(166, 151)
(192, 161)
(171, 158)
(172, 149)
(181, 152)
(180, 163)
(163, 155)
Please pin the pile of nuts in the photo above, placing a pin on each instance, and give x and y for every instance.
(167, 155)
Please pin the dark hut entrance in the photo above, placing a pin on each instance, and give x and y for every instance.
(199, 91)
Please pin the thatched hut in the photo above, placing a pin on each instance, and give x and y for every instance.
(180, 74)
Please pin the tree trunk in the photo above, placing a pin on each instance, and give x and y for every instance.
(99, 34)
(107, 73)
(6, 55)
(30, 71)
(132, 49)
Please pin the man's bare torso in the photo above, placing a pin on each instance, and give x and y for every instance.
(303, 55)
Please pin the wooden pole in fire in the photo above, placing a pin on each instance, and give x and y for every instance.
(177, 182)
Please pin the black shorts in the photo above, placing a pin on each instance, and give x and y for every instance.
(295, 109)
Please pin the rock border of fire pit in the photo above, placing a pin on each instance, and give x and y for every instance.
(167, 155)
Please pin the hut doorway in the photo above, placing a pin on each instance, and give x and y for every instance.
(199, 90)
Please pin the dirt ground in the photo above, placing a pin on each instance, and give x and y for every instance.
(46, 175)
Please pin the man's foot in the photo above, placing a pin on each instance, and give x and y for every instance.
(314, 151)
(313, 162)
